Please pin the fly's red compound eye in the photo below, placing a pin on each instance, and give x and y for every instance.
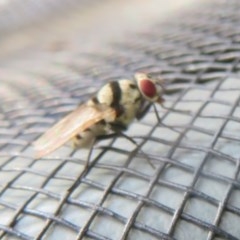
(148, 88)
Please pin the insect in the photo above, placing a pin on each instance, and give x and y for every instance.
(106, 114)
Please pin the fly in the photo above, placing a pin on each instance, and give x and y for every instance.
(108, 113)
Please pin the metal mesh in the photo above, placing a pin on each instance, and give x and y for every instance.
(193, 191)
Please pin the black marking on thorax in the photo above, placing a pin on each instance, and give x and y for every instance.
(116, 93)
(95, 100)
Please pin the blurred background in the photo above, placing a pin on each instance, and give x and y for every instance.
(88, 24)
(55, 54)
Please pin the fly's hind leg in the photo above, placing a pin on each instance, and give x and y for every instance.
(90, 154)
(78, 180)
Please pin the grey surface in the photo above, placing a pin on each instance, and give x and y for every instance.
(193, 191)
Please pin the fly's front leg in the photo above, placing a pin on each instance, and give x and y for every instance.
(143, 110)
(163, 124)
(176, 110)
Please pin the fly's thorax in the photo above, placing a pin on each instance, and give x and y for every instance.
(130, 93)
(105, 95)
(123, 96)
(130, 101)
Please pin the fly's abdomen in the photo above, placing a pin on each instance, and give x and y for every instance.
(87, 138)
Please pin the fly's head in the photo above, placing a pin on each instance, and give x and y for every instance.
(151, 89)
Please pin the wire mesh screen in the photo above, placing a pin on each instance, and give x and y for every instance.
(192, 192)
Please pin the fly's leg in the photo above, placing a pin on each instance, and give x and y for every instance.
(175, 110)
(90, 154)
(163, 124)
(76, 183)
(135, 143)
(118, 128)
(146, 108)
(143, 110)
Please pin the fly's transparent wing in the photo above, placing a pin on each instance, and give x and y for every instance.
(75, 122)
